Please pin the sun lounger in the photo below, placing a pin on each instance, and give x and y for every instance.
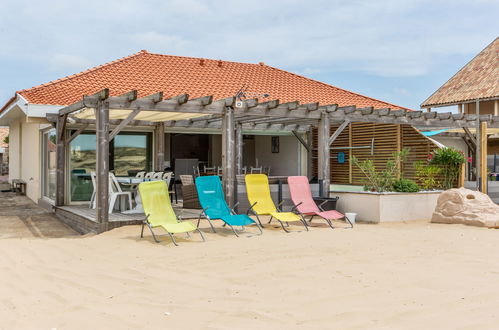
(258, 190)
(159, 211)
(212, 201)
(301, 195)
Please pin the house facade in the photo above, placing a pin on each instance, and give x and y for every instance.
(32, 136)
(473, 90)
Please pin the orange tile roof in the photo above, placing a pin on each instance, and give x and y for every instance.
(476, 80)
(150, 73)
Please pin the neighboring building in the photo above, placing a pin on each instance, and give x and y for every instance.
(32, 137)
(477, 81)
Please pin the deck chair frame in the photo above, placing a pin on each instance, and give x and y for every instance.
(172, 237)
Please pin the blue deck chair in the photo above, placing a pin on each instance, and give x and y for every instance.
(211, 198)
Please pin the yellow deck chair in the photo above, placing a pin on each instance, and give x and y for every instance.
(159, 211)
(258, 190)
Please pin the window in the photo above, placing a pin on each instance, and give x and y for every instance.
(48, 164)
(129, 152)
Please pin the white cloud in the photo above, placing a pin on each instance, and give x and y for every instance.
(385, 38)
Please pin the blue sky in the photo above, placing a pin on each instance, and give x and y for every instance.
(397, 51)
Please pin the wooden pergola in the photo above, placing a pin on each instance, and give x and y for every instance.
(233, 117)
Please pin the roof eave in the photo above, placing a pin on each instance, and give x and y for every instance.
(451, 103)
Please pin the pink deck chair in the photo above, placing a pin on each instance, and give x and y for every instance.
(301, 195)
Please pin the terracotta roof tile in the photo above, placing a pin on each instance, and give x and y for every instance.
(149, 73)
(477, 79)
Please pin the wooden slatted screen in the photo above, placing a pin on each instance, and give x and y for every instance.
(388, 138)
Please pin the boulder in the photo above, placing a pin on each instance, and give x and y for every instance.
(467, 207)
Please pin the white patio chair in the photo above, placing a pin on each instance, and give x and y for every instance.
(167, 177)
(212, 169)
(139, 175)
(256, 170)
(219, 171)
(93, 176)
(157, 176)
(196, 171)
(149, 175)
(243, 170)
(115, 192)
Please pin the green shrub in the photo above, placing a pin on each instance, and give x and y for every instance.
(405, 185)
(381, 180)
(449, 160)
(427, 175)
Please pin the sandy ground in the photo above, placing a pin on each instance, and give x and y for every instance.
(394, 276)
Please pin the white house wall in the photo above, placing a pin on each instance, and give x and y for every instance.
(31, 159)
(286, 162)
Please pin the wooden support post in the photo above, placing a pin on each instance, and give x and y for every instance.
(239, 148)
(483, 156)
(478, 164)
(102, 167)
(350, 156)
(160, 147)
(61, 160)
(496, 108)
(399, 148)
(460, 108)
(309, 154)
(462, 175)
(228, 155)
(324, 154)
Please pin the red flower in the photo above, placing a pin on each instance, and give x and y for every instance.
(469, 160)
(430, 156)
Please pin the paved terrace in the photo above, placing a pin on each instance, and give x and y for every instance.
(21, 218)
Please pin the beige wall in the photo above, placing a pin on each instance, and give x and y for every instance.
(14, 150)
(31, 159)
(25, 157)
(286, 162)
(486, 108)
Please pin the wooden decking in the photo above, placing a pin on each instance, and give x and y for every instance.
(84, 219)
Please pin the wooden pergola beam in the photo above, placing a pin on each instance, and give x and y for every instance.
(123, 124)
(87, 101)
(76, 133)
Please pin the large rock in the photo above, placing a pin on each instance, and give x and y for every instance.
(467, 207)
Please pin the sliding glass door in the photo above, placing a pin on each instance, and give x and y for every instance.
(48, 164)
(129, 152)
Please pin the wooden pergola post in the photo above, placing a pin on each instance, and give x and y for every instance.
(239, 148)
(228, 155)
(160, 147)
(61, 160)
(324, 153)
(478, 164)
(102, 166)
(483, 156)
(309, 154)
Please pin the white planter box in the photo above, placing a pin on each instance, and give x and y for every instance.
(387, 207)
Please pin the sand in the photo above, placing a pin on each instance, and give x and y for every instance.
(390, 276)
